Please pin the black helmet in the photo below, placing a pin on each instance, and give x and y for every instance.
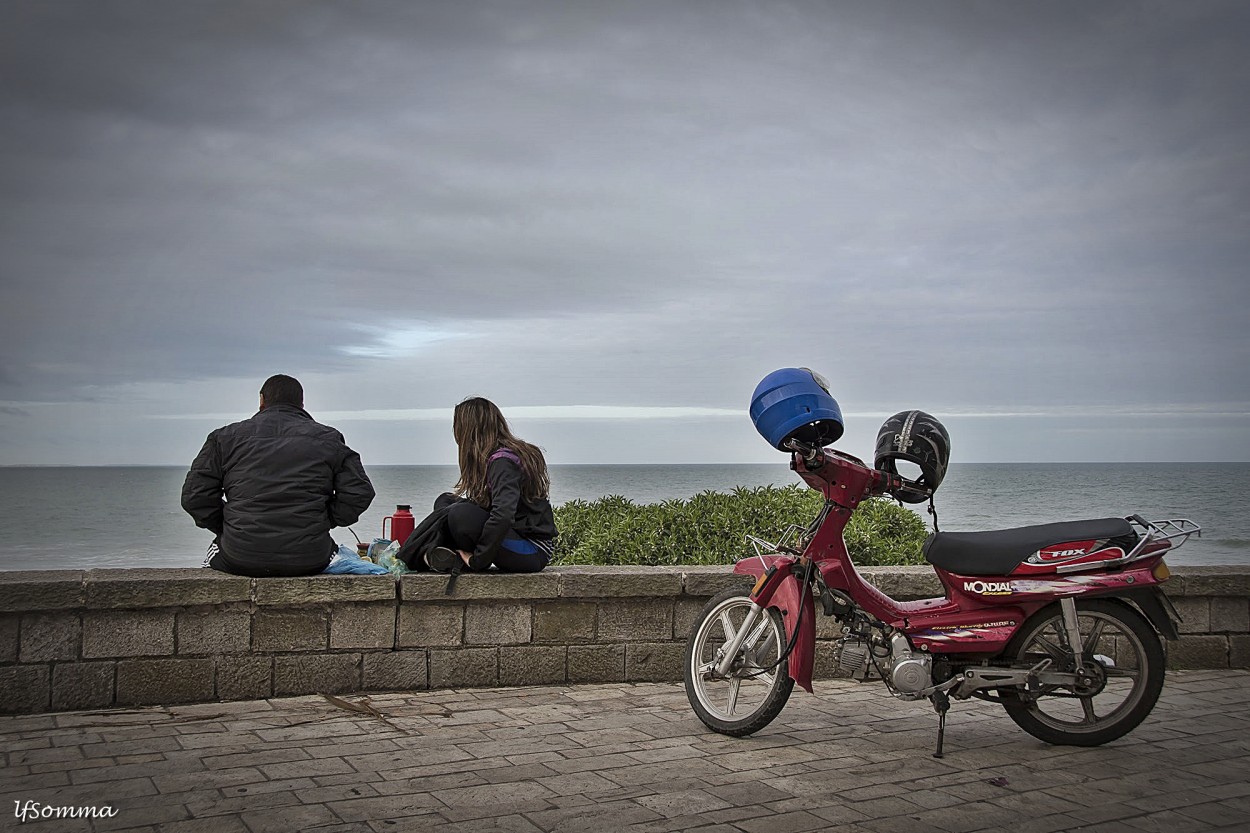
(918, 438)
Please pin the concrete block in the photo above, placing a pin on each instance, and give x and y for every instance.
(316, 674)
(24, 689)
(596, 663)
(30, 590)
(1197, 651)
(1230, 615)
(705, 582)
(8, 637)
(244, 678)
(1224, 580)
(616, 582)
(1239, 651)
(82, 685)
(564, 621)
(396, 671)
(290, 630)
(533, 665)
(127, 633)
(465, 668)
(50, 636)
(653, 662)
(363, 625)
(425, 625)
(322, 589)
(826, 626)
(686, 614)
(1195, 614)
(431, 587)
(649, 620)
(497, 623)
(214, 631)
(144, 682)
(491, 585)
(824, 665)
(163, 587)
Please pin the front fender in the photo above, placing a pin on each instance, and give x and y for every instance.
(757, 565)
(782, 593)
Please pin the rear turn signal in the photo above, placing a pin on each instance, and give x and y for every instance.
(1161, 572)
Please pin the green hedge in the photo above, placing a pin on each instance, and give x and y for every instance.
(709, 528)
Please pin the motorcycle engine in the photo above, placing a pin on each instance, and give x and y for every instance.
(865, 645)
(909, 672)
(851, 658)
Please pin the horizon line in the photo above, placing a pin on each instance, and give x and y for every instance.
(671, 463)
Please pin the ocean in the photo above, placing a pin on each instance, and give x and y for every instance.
(83, 518)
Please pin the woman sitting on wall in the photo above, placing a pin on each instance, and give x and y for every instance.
(500, 513)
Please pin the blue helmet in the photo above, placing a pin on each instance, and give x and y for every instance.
(794, 403)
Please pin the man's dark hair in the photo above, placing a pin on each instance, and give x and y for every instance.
(283, 390)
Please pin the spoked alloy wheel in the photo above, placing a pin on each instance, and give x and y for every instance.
(1118, 683)
(753, 692)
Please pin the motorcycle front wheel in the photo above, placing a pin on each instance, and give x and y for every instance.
(757, 684)
(1121, 678)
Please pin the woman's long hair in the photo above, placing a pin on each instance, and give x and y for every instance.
(480, 430)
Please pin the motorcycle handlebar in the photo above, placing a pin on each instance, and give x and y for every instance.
(812, 458)
(881, 483)
(884, 482)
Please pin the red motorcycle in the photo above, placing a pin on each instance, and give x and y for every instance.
(1059, 623)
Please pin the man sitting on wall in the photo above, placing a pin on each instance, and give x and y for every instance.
(271, 488)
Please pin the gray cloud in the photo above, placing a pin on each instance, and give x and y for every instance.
(964, 205)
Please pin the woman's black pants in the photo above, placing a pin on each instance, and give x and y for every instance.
(465, 520)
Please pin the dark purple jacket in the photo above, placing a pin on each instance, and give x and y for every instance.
(509, 510)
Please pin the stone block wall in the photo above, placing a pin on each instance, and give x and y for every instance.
(107, 638)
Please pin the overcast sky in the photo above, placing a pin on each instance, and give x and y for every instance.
(614, 218)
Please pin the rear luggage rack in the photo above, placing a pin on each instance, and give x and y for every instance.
(1168, 530)
(1155, 531)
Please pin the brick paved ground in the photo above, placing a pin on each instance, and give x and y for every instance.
(626, 757)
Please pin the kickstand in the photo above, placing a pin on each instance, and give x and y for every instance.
(941, 705)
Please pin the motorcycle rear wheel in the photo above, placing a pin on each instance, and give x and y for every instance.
(1124, 656)
(756, 687)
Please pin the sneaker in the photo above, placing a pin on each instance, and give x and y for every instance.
(443, 560)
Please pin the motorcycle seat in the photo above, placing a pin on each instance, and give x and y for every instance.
(998, 552)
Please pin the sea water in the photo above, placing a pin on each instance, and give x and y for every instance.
(82, 518)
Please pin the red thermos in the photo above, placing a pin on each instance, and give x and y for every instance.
(402, 524)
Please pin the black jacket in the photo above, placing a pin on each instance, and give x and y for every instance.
(430, 533)
(509, 510)
(286, 481)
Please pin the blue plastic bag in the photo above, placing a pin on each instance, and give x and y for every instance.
(346, 563)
